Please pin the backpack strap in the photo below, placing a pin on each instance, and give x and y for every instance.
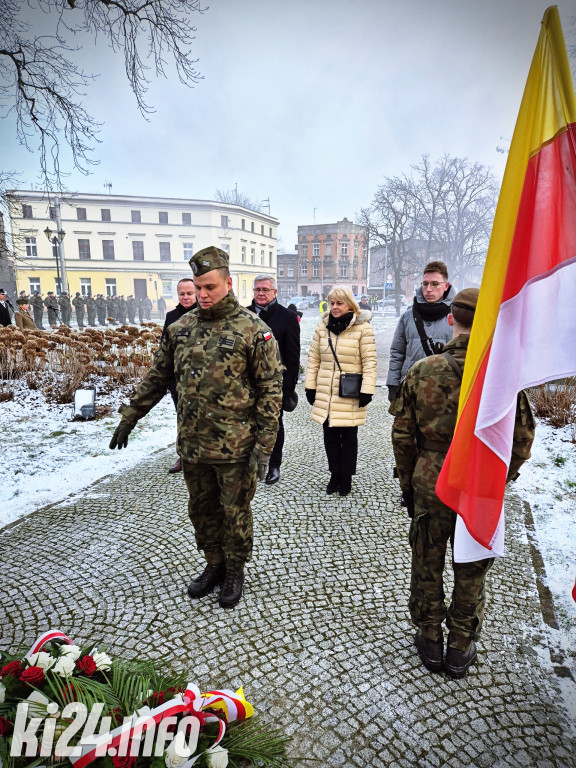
(453, 364)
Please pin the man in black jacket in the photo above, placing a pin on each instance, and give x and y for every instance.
(186, 302)
(5, 306)
(286, 329)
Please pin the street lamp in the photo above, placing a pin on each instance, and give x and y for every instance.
(56, 238)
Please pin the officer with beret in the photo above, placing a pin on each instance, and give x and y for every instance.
(22, 316)
(228, 375)
(425, 412)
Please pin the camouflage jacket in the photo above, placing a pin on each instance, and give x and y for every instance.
(78, 302)
(228, 375)
(51, 302)
(425, 413)
(101, 302)
(37, 302)
(64, 302)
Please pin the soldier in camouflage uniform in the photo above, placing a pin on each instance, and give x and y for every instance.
(228, 376)
(90, 302)
(78, 303)
(122, 310)
(38, 308)
(425, 413)
(131, 309)
(101, 309)
(65, 308)
(51, 304)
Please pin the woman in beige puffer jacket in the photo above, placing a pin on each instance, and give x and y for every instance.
(353, 341)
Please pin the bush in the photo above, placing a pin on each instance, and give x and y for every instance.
(555, 401)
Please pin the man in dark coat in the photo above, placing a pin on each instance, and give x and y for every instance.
(5, 316)
(186, 302)
(37, 305)
(286, 330)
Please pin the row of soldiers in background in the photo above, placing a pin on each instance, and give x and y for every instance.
(99, 309)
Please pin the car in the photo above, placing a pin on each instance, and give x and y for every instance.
(301, 302)
(390, 302)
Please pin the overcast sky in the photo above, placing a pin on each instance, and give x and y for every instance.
(311, 103)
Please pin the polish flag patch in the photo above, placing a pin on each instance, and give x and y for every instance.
(266, 335)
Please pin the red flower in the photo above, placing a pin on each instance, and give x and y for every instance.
(32, 675)
(124, 762)
(158, 698)
(6, 726)
(87, 665)
(13, 668)
(68, 693)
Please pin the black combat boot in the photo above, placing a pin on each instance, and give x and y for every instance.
(211, 575)
(459, 661)
(332, 486)
(345, 485)
(232, 589)
(431, 651)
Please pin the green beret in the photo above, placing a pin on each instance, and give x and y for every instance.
(208, 259)
(467, 298)
(22, 301)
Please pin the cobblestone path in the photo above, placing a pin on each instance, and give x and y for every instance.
(322, 642)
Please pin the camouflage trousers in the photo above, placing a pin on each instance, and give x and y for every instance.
(219, 508)
(431, 529)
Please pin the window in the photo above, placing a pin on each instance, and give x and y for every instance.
(252, 255)
(304, 270)
(243, 289)
(136, 217)
(315, 270)
(252, 226)
(225, 247)
(81, 214)
(269, 231)
(261, 229)
(262, 258)
(270, 258)
(343, 269)
(315, 250)
(105, 214)
(34, 285)
(163, 217)
(187, 219)
(243, 256)
(344, 248)
(110, 286)
(167, 288)
(108, 249)
(85, 286)
(31, 250)
(26, 211)
(327, 270)
(84, 249)
(164, 251)
(356, 248)
(138, 250)
(281, 271)
(243, 223)
(224, 221)
(304, 250)
(188, 251)
(290, 271)
(327, 250)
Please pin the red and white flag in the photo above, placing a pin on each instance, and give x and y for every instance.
(524, 331)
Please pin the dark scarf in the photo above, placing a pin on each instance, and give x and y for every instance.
(338, 324)
(431, 312)
(264, 312)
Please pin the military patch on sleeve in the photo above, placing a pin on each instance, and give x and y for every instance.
(266, 335)
(228, 342)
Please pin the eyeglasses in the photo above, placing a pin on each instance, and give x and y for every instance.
(264, 290)
(433, 284)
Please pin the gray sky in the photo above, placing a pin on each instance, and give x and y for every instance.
(313, 102)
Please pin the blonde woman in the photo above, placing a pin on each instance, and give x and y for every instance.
(343, 342)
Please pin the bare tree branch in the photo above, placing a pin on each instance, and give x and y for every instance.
(237, 198)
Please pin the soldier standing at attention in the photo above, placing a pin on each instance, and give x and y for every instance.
(22, 317)
(122, 310)
(91, 309)
(38, 308)
(51, 304)
(65, 308)
(425, 412)
(229, 378)
(140, 307)
(101, 309)
(78, 303)
(131, 309)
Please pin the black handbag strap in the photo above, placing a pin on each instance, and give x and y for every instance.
(334, 353)
(429, 346)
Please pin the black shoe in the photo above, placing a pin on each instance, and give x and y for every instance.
(211, 575)
(176, 467)
(431, 652)
(273, 476)
(403, 502)
(459, 662)
(345, 485)
(332, 486)
(232, 589)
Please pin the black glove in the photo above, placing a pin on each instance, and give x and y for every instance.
(310, 395)
(408, 497)
(120, 436)
(364, 400)
(392, 391)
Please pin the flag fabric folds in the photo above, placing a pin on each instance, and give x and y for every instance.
(524, 331)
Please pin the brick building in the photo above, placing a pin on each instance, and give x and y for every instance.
(331, 254)
(287, 276)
